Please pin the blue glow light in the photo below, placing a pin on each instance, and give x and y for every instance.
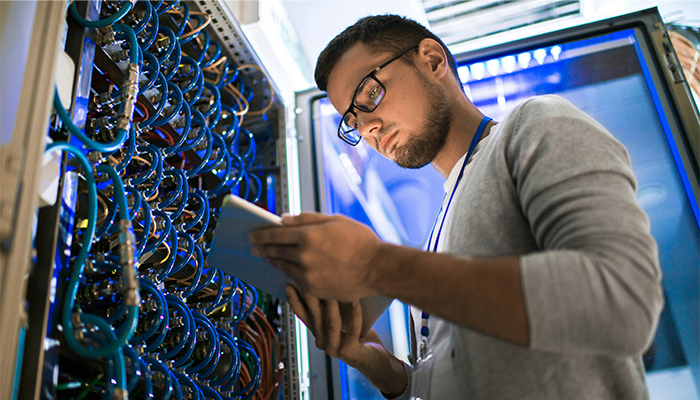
(524, 60)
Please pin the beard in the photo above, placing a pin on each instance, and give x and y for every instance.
(421, 148)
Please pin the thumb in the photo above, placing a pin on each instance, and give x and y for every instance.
(304, 219)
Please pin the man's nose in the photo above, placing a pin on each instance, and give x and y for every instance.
(368, 124)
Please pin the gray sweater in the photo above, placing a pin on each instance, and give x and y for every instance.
(552, 185)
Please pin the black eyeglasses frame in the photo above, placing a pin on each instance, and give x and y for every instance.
(373, 75)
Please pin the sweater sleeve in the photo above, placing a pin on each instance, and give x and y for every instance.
(594, 288)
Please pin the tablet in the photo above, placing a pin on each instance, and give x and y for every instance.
(232, 253)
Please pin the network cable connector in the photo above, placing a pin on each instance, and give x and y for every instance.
(130, 91)
(127, 249)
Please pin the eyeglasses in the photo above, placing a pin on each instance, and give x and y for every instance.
(367, 97)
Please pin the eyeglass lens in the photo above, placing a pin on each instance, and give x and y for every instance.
(368, 96)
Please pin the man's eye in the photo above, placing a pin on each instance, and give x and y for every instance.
(374, 94)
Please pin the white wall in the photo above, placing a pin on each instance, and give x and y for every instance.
(318, 21)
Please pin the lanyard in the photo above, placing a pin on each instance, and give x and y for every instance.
(424, 330)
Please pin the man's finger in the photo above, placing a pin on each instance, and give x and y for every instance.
(275, 235)
(289, 268)
(316, 314)
(298, 306)
(285, 252)
(354, 327)
(304, 219)
(333, 324)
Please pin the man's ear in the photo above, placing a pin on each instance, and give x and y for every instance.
(433, 56)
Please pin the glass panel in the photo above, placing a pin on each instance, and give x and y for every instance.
(363, 185)
(608, 78)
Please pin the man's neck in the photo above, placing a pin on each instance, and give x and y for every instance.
(465, 121)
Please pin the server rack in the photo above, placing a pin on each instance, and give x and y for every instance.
(33, 346)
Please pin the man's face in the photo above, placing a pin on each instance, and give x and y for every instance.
(410, 124)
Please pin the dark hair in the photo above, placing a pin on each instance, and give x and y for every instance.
(380, 33)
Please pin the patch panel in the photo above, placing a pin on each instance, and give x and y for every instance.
(179, 113)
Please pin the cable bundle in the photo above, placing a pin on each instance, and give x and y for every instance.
(162, 144)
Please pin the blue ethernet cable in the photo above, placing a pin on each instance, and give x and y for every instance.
(175, 108)
(164, 6)
(134, 209)
(185, 16)
(199, 259)
(211, 274)
(153, 67)
(233, 372)
(253, 303)
(187, 382)
(205, 217)
(200, 197)
(108, 221)
(196, 76)
(211, 358)
(251, 151)
(167, 266)
(189, 345)
(164, 233)
(117, 353)
(184, 259)
(213, 91)
(174, 60)
(130, 148)
(152, 32)
(171, 46)
(219, 292)
(78, 134)
(209, 392)
(177, 392)
(128, 277)
(217, 52)
(162, 317)
(223, 178)
(187, 331)
(230, 79)
(146, 18)
(227, 299)
(184, 133)
(227, 182)
(191, 37)
(205, 46)
(242, 297)
(198, 89)
(145, 124)
(181, 187)
(160, 367)
(135, 362)
(131, 38)
(254, 383)
(204, 157)
(152, 169)
(230, 132)
(218, 141)
(197, 118)
(146, 225)
(258, 187)
(183, 195)
(103, 22)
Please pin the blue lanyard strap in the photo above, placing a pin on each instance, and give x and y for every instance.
(424, 330)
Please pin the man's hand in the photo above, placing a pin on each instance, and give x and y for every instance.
(367, 354)
(329, 256)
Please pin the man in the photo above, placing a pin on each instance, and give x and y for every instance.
(541, 279)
